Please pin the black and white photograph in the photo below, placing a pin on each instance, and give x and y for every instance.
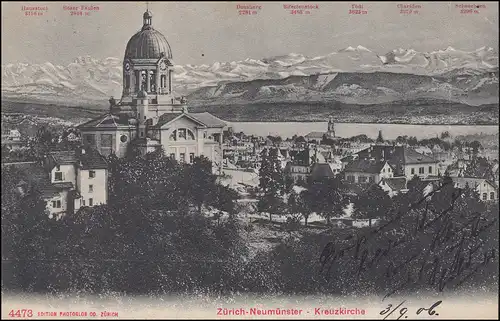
(250, 160)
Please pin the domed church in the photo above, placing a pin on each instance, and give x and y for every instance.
(149, 114)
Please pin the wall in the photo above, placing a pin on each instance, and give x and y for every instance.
(409, 167)
(117, 146)
(68, 174)
(487, 188)
(376, 177)
(100, 186)
(386, 172)
(63, 197)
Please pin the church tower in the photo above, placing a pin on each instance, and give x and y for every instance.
(331, 128)
(148, 68)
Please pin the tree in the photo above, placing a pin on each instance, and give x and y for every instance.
(445, 134)
(301, 203)
(479, 167)
(300, 140)
(223, 198)
(372, 203)
(380, 139)
(271, 183)
(199, 181)
(326, 197)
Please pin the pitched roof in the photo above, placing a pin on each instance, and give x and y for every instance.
(166, 118)
(413, 157)
(107, 121)
(365, 166)
(461, 182)
(321, 170)
(91, 159)
(209, 120)
(315, 135)
(65, 157)
(395, 155)
(395, 183)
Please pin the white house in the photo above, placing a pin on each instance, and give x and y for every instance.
(363, 171)
(487, 190)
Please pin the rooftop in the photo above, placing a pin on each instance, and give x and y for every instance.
(395, 183)
(365, 166)
(91, 159)
(319, 171)
(107, 121)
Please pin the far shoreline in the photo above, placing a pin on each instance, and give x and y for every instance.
(94, 110)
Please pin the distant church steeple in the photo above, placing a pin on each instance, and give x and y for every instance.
(331, 128)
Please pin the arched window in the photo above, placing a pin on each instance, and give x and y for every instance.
(182, 134)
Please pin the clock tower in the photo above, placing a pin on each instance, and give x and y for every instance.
(147, 68)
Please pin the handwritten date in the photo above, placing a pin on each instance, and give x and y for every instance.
(403, 310)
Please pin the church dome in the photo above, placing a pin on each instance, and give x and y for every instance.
(148, 43)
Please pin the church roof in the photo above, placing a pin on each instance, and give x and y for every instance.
(107, 121)
(315, 135)
(148, 43)
(206, 119)
(209, 120)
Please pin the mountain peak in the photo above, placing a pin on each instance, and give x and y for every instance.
(357, 48)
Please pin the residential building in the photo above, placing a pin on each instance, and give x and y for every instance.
(68, 180)
(393, 185)
(362, 171)
(487, 190)
(404, 160)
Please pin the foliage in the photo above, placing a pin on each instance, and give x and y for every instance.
(328, 199)
(271, 183)
(301, 203)
(479, 167)
(374, 202)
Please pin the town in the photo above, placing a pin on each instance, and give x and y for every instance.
(152, 197)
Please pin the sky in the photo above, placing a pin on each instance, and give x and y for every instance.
(206, 32)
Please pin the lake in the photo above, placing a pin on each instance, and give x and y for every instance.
(389, 131)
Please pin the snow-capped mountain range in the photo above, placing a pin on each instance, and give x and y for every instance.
(353, 74)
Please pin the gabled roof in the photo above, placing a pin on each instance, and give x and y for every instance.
(107, 121)
(413, 157)
(319, 171)
(395, 183)
(66, 157)
(315, 135)
(166, 118)
(365, 166)
(395, 155)
(461, 182)
(209, 120)
(171, 117)
(91, 159)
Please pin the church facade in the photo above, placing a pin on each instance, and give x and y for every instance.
(149, 114)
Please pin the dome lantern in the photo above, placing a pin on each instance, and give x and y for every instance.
(147, 19)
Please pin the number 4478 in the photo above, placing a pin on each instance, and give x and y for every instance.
(23, 313)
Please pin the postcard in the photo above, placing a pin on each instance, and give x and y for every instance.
(250, 160)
